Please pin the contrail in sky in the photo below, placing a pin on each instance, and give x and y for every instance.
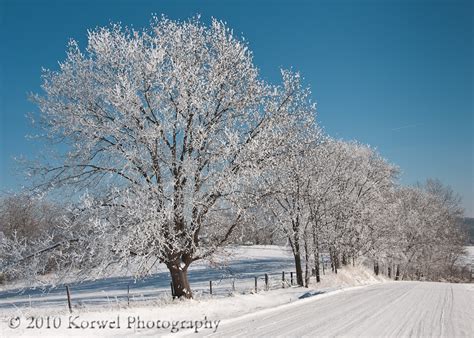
(406, 127)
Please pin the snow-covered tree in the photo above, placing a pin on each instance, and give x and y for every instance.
(27, 217)
(286, 202)
(345, 196)
(282, 186)
(426, 237)
(26, 223)
(166, 128)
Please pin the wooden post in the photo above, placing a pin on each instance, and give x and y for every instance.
(291, 278)
(266, 282)
(128, 294)
(283, 279)
(68, 292)
(210, 287)
(233, 285)
(172, 290)
(256, 285)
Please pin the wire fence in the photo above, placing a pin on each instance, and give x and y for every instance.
(122, 292)
(129, 294)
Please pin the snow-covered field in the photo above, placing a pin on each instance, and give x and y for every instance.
(469, 257)
(234, 274)
(238, 267)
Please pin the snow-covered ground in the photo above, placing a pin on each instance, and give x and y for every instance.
(236, 268)
(234, 274)
(385, 309)
(469, 257)
(99, 302)
(352, 303)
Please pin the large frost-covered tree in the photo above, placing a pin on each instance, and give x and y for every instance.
(165, 129)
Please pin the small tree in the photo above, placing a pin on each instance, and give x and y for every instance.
(23, 216)
(26, 223)
(423, 233)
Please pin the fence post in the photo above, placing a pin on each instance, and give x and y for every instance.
(233, 284)
(283, 279)
(210, 287)
(128, 294)
(291, 277)
(68, 292)
(172, 290)
(266, 282)
(256, 285)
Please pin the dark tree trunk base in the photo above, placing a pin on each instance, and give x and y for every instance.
(179, 280)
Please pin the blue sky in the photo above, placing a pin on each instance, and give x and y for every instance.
(394, 74)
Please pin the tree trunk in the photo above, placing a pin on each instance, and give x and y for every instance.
(307, 269)
(316, 267)
(344, 260)
(334, 260)
(295, 246)
(179, 279)
(331, 257)
(299, 270)
(316, 256)
(376, 268)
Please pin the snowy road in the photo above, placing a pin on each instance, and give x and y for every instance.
(389, 309)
